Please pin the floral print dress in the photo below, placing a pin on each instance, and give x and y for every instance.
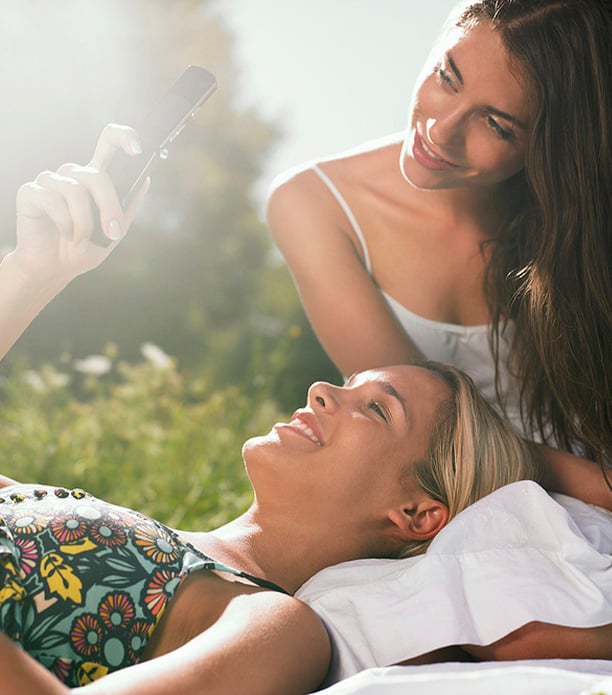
(84, 582)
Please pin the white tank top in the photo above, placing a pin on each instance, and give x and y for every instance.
(465, 347)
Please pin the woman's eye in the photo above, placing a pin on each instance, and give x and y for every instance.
(443, 76)
(497, 129)
(373, 405)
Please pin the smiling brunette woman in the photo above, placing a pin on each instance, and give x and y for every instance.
(480, 236)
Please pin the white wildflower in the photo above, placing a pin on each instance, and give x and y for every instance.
(96, 365)
(156, 356)
(57, 380)
(34, 381)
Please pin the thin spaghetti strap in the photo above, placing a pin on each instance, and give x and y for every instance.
(347, 211)
(264, 583)
(211, 564)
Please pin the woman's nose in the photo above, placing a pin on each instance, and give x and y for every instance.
(323, 396)
(444, 130)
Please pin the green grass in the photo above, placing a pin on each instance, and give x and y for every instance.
(143, 435)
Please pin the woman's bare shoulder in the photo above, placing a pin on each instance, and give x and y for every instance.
(304, 199)
(352, 163)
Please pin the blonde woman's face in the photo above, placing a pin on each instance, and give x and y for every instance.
(469, 116)
(348, 453)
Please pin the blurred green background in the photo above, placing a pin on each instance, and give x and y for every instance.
(197, 279)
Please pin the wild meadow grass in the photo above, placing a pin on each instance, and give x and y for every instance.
(144, 435)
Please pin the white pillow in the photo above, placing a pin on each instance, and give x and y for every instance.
(511, 558)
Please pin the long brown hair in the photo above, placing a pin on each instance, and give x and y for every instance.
(549, 270)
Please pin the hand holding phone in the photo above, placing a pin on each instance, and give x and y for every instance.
(160, 127)
(54, 216)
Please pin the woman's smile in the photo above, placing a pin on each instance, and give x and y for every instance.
(426, 157)
(305, 424)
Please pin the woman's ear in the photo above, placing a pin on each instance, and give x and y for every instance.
(421, 520)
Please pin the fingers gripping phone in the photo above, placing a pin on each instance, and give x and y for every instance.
(160, 127)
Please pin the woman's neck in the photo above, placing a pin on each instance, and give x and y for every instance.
(473, 207)
(480, 210)
(270, 549)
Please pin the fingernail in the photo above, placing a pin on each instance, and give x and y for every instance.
(135, 146)
(114, 230)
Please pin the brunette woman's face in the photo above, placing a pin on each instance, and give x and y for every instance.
(348, 453)
(469, 116)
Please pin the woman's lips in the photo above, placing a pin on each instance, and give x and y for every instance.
(426, 157)
(304, 424)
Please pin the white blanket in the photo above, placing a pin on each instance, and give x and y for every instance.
(515, 556)
(558, 677)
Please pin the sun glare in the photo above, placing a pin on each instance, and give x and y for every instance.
(64, 71)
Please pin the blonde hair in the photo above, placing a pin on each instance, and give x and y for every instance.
(473, 450)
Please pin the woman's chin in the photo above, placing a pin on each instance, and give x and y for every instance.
(255, 445)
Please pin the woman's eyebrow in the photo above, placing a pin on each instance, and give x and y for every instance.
(507, 117)
(392, 391)
(454, 67)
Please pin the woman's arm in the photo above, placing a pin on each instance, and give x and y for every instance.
(534, 640)
(574, 476)
(22, 675)
(264, 642)
(347, 312)
(55, 219)
(545, 641)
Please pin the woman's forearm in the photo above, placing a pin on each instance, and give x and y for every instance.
(575, 476)
(537, 640)
(21, 300)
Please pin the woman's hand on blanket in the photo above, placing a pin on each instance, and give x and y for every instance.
(57, 212)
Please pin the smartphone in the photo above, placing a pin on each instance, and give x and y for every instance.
(157, 130)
